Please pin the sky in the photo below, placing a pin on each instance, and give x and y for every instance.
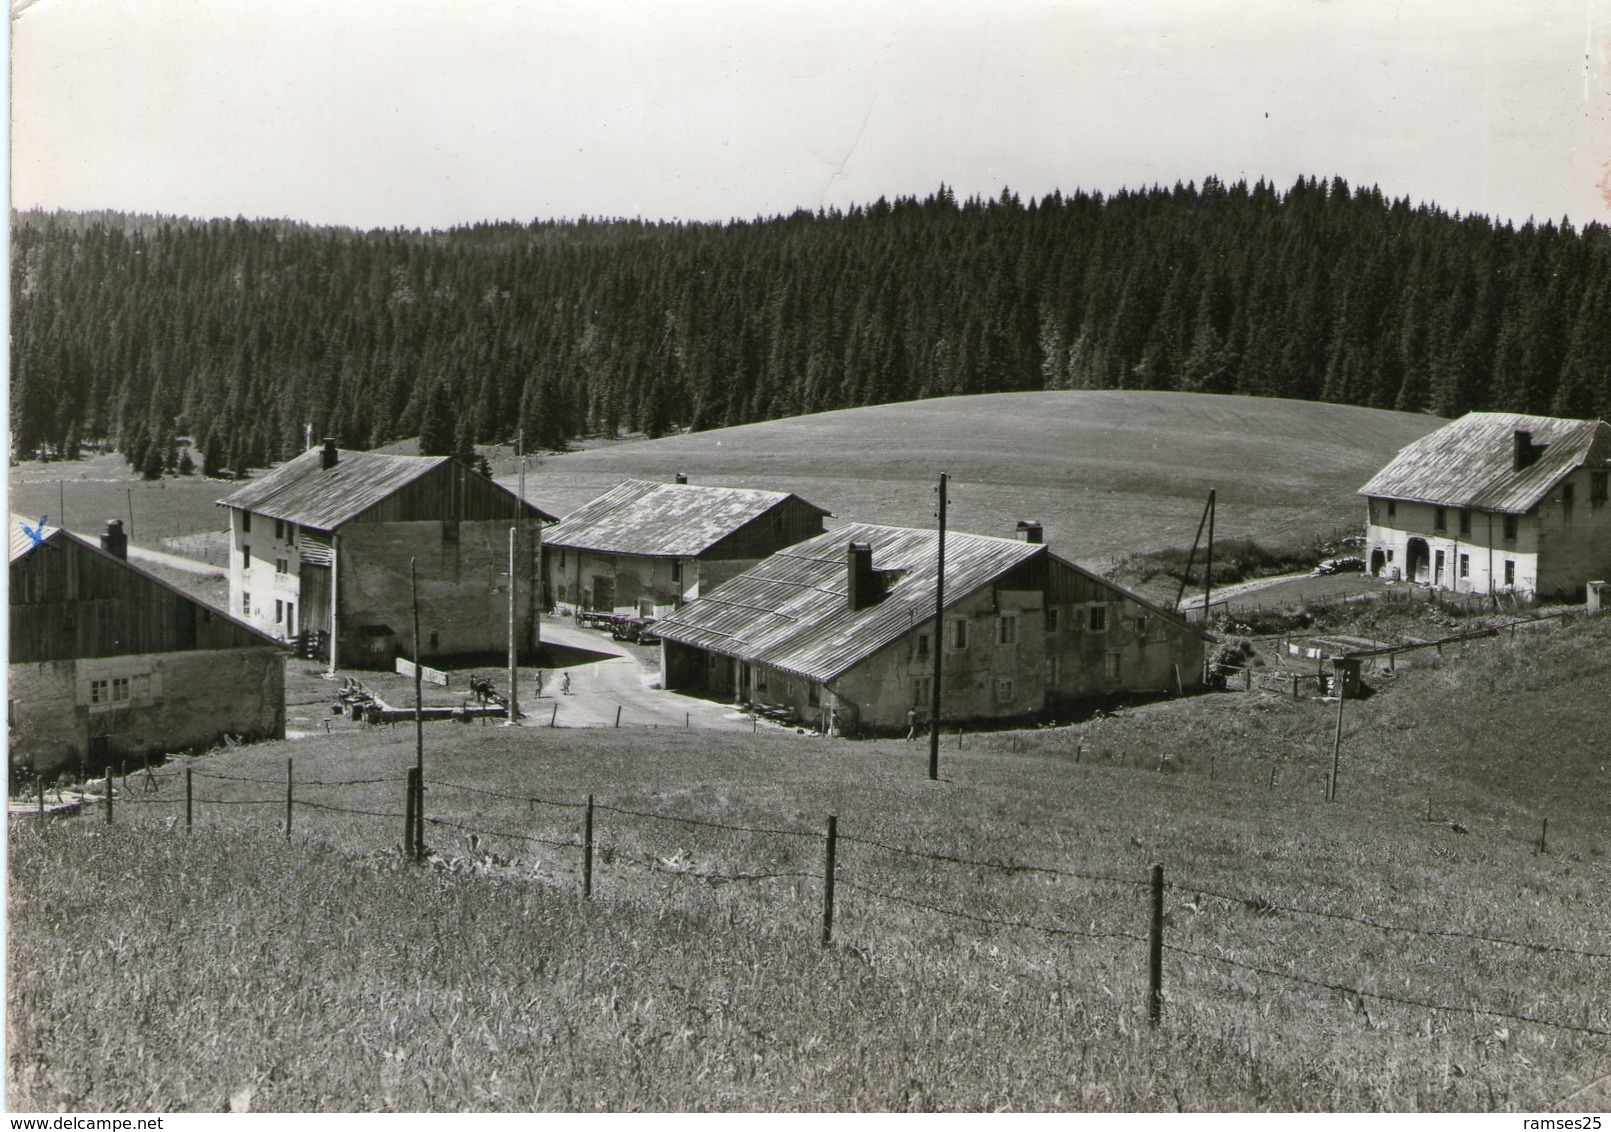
(407, 113)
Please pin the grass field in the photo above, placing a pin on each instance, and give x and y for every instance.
(153, 970)
(1106, 472)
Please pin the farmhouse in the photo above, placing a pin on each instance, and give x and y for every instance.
(839, 630)
(1495, 503)
(108, 661)
(323, 546)
(644, 548)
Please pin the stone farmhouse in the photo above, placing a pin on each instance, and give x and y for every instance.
(1495, 503)
(839, 629)
(108, 662)
(643, 548)
(323, 544)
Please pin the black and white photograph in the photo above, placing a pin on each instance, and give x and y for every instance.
(813, 556)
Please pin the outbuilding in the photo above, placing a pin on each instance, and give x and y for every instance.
(839, 632)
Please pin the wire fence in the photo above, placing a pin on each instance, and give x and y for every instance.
(1224, 954)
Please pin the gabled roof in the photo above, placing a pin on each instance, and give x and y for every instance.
(304, 492)
(1471, 462)
(663, 519)
(790, 611)
(24, 542)
(25, 534)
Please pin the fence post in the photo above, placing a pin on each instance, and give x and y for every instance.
(188, 797)
(1336, 744)
(618, 715)
(1543, 837)
(587, 851)
(408, 812)
(1210, 768)
(39, 779)
(108, 795)
(419, 815)
(288, 799)
(553, 715)
(827, 880)
(1155, 951)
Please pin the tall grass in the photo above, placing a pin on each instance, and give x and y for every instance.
(154, 970)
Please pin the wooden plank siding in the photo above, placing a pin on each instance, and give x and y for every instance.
(449, 491)
(792, 520)
(72, 601)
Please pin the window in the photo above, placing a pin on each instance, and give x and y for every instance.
(1051, 619)
(290, 616)
(279, 612)
(290, 533)
(920, 691)
(1392, 508)
(1390, 554)
(279, 528)
(246, 604)
(1510, 528)
(1597, 487)
(1568, 497)
(246, 558)
(1465, 521)
(676, 571)
(1007, 629)
(1440, 519)
(760, 679)
(282, 566)
(1099, 619)
(1110, 668)
(1004, 689)
(246, 522)
(813, 693)
(1437, 568)
(959, 633)
(921, 645)
(1465, 565)
(1510, 572)
(112, 691)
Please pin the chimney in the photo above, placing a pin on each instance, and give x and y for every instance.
(327, 458)
(1029, 531)
(114, 541)
(682, 477)
(861, 582)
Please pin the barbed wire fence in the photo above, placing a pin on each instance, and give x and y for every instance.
(1148, 931)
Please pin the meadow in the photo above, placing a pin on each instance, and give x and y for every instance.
(1410, 946)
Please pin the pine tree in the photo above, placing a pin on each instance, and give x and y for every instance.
(438, 422)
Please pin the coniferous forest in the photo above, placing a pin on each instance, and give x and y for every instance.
(138, 330)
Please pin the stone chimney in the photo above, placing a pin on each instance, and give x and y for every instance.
(1030, 531)
(682, 477)
(861, 582)
(328, 457)
(114, 541)
(1522, 452)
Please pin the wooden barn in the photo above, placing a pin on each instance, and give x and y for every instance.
(108, 662)
(322, 546)
(1495, 503)
(643, 548)
(839, 630)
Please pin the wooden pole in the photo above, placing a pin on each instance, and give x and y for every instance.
(108, 795)
(130, 492)
(1208, 562)
(553, 715)
(512, 704)
(1336, 743)
(189, 796)
(939, 640)
(587, 851)
(289, 800)
(618, 715)
(419, 718)
(828, 879)
(39, 780)
(408, 813)
(1543, 837)
(1155, 951)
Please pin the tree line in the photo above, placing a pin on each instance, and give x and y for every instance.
(137, 331)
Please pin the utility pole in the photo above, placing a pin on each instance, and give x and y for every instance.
(514, 700)
(939, 642)
(1208, 568)
(419, 712)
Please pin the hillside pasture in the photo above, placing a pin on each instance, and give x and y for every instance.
(1105, 471)
(1385, 951)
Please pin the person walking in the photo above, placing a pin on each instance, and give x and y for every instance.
(911, 724)
(565, 683)
(539, 683)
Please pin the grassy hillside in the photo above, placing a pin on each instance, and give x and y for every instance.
(1105, 471)
(1310, 943)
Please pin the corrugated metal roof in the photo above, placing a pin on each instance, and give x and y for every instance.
(304, 492)
(663, 519)
(25, 534)
(790, 610)
(1470, 462)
